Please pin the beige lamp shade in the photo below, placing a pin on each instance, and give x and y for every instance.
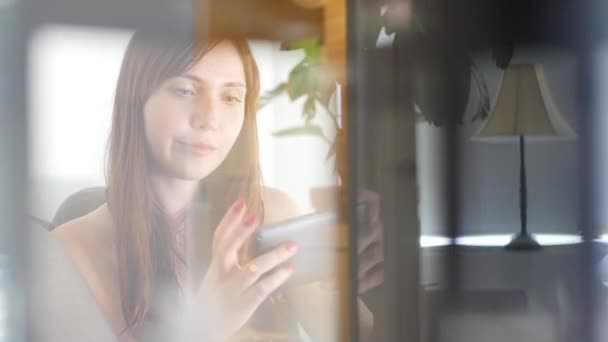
(523, 106)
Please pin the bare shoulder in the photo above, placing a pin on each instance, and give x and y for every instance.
(88, 241)
(78, 236)
(278, 205)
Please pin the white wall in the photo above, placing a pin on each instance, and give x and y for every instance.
(292, 164)
(72, 79)
(601, 106)
(73, 73)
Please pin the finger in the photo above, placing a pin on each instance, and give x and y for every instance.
(258, 292)
(266, 262)
(369, 236)
(372, 199)
(228, 223)
(329, 285)
(372, 256)
(237, 238)
(373, 279)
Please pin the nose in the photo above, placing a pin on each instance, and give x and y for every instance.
(205, 114)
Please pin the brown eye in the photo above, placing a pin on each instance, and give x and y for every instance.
(230, 99)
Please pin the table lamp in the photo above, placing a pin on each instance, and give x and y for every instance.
(523, 108)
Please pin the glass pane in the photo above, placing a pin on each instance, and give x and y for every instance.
(453, 147)
(153, 156)
(403, 171)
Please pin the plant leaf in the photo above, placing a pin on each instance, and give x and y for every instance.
(311, 47)
(332, 149)
(307, 130)
(271, 95)
(309, 110)
(299, 81)
(276, 91)
(483, 110)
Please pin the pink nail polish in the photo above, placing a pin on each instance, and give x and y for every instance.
(292, 246)
(250, 220)
(240, 205)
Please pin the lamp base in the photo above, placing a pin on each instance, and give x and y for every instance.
(523, 242)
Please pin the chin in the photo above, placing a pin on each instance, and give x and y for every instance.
(190, 169)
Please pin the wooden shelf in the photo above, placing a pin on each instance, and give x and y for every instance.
(279, 20)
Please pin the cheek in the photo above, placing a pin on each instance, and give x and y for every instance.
(233, 128)
(160, 121)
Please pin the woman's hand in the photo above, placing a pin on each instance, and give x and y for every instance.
(370, 245)
(366, 321)
(230, 292)
(370, 248)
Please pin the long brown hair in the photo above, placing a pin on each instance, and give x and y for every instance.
(144, 243)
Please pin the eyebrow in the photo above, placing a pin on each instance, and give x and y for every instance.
(225, 84)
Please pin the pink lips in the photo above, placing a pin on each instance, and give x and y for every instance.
(197, 148)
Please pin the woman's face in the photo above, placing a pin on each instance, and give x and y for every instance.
(193, 120)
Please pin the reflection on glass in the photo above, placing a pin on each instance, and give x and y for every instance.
(483, 279)
(164, 236)
(498, 240)
(504, 239)
(3, 297)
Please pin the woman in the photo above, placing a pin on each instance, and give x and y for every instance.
(182, 162)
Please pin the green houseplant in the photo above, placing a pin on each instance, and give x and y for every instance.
(305, 80)
(430, 89)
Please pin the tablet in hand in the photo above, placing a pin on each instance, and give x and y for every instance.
(322, 243)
